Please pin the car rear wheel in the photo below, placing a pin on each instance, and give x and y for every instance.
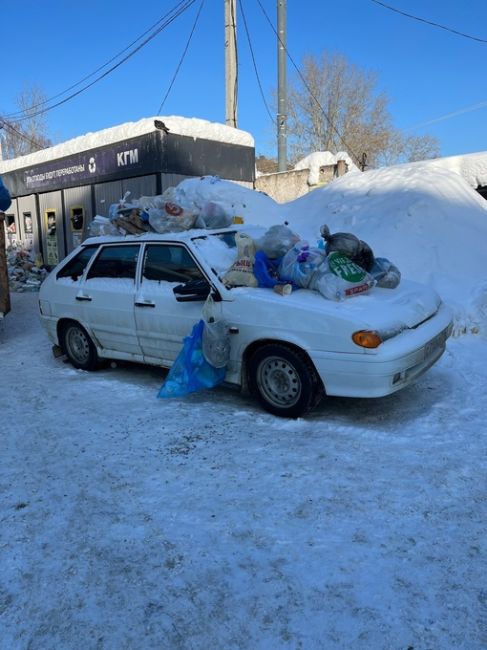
(79, 347)
(284, 380)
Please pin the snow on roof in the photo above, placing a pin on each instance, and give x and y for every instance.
(472, 167)
(193, 127)
(318, 159)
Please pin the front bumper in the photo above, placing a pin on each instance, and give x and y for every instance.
(392, 366)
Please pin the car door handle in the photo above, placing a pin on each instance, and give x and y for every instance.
(145, 304)
(86, 298)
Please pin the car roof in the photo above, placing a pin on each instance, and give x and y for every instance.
(184, 236)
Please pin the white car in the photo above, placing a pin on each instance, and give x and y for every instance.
(136, 297)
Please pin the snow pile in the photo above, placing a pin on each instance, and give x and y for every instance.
(252, 206)
(318, 159)
(471, 167)
(426, 220)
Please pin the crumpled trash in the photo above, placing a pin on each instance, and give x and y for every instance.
(24, 272)
(335, 276)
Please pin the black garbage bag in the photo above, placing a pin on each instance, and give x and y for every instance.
(350, 245)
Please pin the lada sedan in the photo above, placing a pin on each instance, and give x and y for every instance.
(135, 298)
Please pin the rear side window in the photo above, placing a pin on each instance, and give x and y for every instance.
(115, 262)
(75, 267)
(169, 264)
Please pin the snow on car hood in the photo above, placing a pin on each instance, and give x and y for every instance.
(407, 305)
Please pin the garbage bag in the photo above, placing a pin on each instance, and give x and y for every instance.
(163, 220)
(101, 226)
(215, 215)
(266, 270)
(191, 372)
(385, 273)
(339, 277)
(300, 263)
(276, 241)
(241, 274)
(216, 337)
(350, 245)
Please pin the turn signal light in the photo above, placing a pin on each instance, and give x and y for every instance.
(367, 338)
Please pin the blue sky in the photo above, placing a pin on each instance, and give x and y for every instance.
(427, 72)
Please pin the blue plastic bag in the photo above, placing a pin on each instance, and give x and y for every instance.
(191, 372)
(5, 199)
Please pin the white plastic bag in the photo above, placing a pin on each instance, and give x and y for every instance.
(216, 338)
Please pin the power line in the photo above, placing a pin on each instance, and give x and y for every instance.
(7, 125)
(182, 58)
(442, 118)
(359, 159)
(254, 61)
(172, 18)
(429, 22)
(101, 67)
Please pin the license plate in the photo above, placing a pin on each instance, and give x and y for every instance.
(433, 345)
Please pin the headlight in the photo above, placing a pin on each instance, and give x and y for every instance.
(367, 338)
(373, 338)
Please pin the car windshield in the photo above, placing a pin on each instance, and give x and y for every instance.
(220, 250)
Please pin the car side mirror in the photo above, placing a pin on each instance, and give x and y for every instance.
(194, 290)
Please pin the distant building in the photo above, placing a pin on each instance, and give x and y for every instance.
(315, 170)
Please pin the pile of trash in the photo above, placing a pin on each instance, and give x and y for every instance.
(338, 267)
(25, 273)
(172, 211)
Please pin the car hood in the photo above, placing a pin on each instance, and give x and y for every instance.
(405, 306)
(409, 304)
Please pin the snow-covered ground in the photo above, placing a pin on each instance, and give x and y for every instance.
(203, 522)
(132, 522)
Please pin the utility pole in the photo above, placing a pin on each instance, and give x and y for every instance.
(230, 63)
(281, 87)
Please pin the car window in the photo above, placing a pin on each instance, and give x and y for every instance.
(115, 262)
(169, 263)
(75, 267)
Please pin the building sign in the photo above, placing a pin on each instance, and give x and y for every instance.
(136, 156)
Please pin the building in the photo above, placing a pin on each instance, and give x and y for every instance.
(56, 192)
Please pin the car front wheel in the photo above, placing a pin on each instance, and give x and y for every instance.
(284, 380)
(79, 347)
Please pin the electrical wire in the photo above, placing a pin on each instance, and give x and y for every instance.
(442, 118)
(169, 20)
(101, 67)
(315, 99)
(254, 61)
(6, 125)
(182, 57)
(429, 22)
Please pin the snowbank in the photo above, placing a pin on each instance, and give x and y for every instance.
(426, 219)
(471, 167)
